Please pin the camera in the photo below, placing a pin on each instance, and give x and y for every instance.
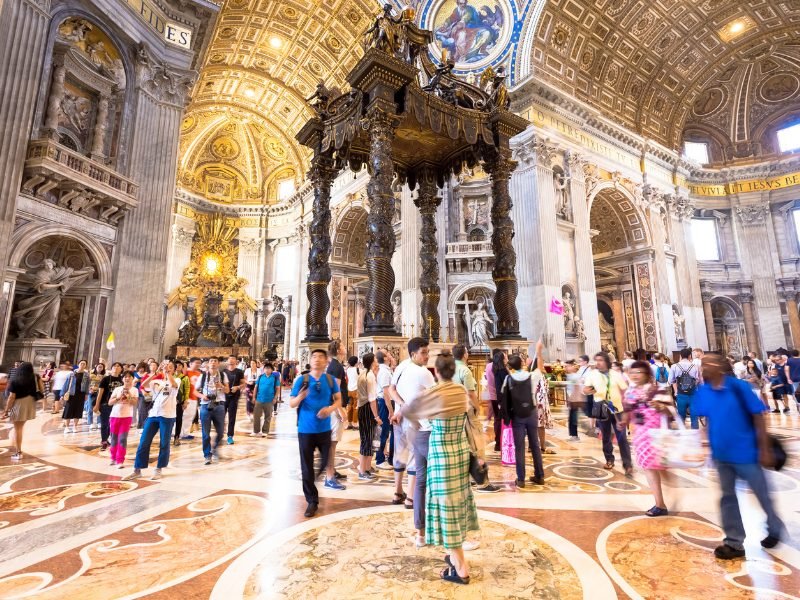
(212, 397)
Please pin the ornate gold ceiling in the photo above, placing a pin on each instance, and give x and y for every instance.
(646, 63)
(264, 60)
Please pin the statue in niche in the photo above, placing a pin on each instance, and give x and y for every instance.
(569, 312)
(397, 305)
(76, 109)
(678, 321)
(75, 30)
(579, 329)
(277, 304)
(382, 35)
(243, 333)
(227, 332)
(481, 326)
(36, 316)
(188, 330)
(560, 182)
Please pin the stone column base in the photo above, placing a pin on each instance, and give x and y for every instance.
(305, 349)
(35, 351)
(513, 346)
(396, 346)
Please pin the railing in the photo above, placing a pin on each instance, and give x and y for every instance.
(457, 249)
(42, 153)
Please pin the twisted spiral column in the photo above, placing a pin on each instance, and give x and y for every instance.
(428, 201)
(379, 312)
(322, 175)
(504, 273)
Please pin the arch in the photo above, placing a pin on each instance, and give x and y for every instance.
(728, 303)
(123, 45)
(463, 288)
(349, 239)
(624, 206)
(25, 237)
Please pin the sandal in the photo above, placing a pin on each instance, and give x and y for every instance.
(609, 466)
(447, 560)
(450, 574)
(657, 511)
(408, 503)
(399, 498)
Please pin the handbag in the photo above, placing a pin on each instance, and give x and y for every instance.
(779, 455)
(679, 448)
(602, 409)
(478, 471)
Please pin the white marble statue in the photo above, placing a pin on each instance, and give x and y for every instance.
(397, 304)
(569, 312)
(481, 330)
(36, 316)
(579, 329)
(678, 321)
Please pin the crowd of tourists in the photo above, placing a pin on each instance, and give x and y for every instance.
(427, 426)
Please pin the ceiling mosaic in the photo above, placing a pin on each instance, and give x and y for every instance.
(646, 64)
(264, 60)
(619, 225)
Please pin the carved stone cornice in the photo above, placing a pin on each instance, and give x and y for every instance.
(535, 150)
(682, 207)
(575, 163)
(182, 237)
(163, 82)
(753, 215)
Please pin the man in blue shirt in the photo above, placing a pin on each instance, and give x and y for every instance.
(265, 390)
(737, 433)
(792, 372)
(315, 396)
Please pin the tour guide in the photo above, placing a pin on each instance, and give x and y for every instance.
(315, 395)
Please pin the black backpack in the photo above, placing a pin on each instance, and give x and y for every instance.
(520, 397)
(686, 383)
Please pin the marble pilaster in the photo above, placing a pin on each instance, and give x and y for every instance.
(180, 254)
(746, 300)
(409, 270)
(587, 290)
(620, 333)
(708, 315)
(794, 318)
(23, 33)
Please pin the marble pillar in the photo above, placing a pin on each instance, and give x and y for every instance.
(760, 264)
(319, 269)
(620, 333)
(680, 211)
(23, 34)
(662, 302)
(100, 127)
(587, 290)
(794, 317)
(428, 202)
(708, 315)
(379, 317)
(55, 97)
(746, 300)
(408, 270)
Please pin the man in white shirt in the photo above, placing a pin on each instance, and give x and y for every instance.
(211, 389)
(685, 378)
(352, 391)
(739, 367)
(385, 412)
(627, 361)
(59, 379)
(410, 379)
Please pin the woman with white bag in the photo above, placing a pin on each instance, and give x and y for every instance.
(644, 407)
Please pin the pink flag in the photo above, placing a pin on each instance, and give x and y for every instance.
(556, 307)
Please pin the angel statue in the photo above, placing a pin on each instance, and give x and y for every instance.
(580, 329)
(320, 99)
(481, 322)
(383, 34)
(494, 83)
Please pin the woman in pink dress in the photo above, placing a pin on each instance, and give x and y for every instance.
(644, 409)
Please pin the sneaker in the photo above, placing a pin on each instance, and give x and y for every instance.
(786, 410)
(156, 475)
(176, 442)
(629, 472)
(419, 541)
(470, 545)
(131, 476)
(72, 429)
(770, 542)
(230, 440)
(16, 456)
(104, 446)
(537, 480)
(519, 483)
(66, 430)
(311, 509)
(573, 438)
(337, 475)
(366, 476)
(262, 434)
(208, 460)
(334, 485)
(187, 437)
(725, 552)
(488, 489)
(112, 463)
(93, 427)
(253, 434)
(120, 465)
(777, 410)
(384, 466)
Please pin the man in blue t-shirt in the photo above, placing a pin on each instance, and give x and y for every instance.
(315, 396)
(792, 372)
(737, 433)
(265, 390)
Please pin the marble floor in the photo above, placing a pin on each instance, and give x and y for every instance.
(71, 528)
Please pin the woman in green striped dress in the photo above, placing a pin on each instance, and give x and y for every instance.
(450, 508)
